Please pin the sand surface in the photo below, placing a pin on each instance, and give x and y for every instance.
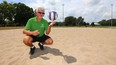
(72, 46)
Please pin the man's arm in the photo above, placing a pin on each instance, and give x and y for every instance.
(34, 33)
(49, 27)
(27, 32)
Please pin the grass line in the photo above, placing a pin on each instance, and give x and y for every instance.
(9, 28)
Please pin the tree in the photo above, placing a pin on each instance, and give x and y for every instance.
(113, 22)
(92, 24)
(107, 22)
(23, 13)
(73, 21)
(7, 13)
(80, 21)
(87, 24)
(70, 21)
(2, 23)
(14, 14)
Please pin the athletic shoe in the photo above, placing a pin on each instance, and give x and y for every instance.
(41, 46)
(32, 50)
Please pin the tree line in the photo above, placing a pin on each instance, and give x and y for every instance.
(14, 14)
(17, 14)
(73, 21)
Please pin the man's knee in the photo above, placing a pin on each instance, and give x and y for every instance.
(49, 41)
(27, 39)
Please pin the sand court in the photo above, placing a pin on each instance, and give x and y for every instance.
(72, 46)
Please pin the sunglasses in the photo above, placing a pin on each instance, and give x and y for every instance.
(41, 12)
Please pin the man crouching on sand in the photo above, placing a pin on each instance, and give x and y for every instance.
(37, 29)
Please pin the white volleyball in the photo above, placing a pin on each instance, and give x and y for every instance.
(52, 15)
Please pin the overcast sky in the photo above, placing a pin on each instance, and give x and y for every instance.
(90, 10)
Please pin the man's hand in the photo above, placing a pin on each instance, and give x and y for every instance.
(35, 33)
(52, 23)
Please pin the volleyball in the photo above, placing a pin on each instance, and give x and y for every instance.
(52, 15)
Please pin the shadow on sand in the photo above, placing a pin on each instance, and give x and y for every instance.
(54, 51)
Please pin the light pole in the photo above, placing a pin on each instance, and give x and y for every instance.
(63, 11)
(111, 13)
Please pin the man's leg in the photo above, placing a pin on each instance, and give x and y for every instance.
(48, 41)
(28, 41)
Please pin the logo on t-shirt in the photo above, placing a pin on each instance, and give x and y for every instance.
(42, 25)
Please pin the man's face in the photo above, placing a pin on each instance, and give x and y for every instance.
(40, 13)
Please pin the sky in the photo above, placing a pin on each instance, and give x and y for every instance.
(90, 10)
